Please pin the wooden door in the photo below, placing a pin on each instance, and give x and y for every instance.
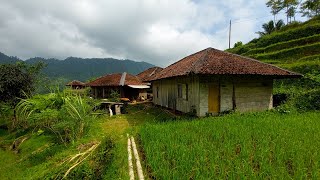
(213, 98)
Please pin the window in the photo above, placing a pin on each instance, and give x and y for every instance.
(183, 91)
(179, 90)
(157, 91)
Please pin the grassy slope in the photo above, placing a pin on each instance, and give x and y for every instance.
(39, 157)
(259, 145)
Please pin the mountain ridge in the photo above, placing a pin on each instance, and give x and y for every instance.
(82, 68)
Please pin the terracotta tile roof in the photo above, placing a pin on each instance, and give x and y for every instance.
(115, 80)
(149, 73)
(75, 83)
(213, 61)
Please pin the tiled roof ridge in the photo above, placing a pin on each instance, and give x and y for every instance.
(104, 76)
(254, 60)
(186, 57)
(200, 61)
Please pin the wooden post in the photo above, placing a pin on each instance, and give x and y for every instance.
(230, 35)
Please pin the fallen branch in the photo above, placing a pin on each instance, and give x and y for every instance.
(79, 158)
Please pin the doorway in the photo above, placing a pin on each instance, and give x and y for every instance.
(214, 98)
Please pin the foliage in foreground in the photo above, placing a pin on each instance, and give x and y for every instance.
(66, 116)
(258, 145)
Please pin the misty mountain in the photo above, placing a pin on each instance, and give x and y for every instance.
(82, 68)
(4, 59)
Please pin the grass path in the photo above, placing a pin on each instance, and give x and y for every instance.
(117, 128)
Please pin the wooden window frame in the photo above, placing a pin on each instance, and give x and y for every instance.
(183, 91)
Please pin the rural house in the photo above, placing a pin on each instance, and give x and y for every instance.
(75, 84)
(213, 81)
(127, 85)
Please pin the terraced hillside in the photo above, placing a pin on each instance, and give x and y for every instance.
(295, 42)
(295, 47)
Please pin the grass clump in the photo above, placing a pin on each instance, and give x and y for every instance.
(256, 145)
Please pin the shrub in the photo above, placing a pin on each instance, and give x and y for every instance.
(308, 101)
(67, 117)
(114, 96)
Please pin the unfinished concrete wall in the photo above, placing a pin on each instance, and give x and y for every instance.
(253, 95)
(203, 105)
(226, 95)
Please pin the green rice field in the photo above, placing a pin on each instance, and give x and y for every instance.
(265, 145)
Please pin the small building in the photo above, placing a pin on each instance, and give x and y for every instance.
(213, 81)
(75, 84)
(127, 85)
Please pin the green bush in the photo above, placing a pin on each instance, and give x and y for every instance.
(114, 96)
(308, 101)
(292, 25)
(68, 117)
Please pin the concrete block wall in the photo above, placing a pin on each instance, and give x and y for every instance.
(203, 94)
(253, 95)
(226, 95)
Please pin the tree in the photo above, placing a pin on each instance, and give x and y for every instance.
(279, 25)
(237, 44)
(276, 6)
(291, 6)
(17, 81)
(270, 27)
(310, 8)
(291, 13)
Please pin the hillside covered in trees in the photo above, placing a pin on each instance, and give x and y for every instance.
(81, 68)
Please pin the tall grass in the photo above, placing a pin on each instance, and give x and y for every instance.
(259, 145)
(67, 116)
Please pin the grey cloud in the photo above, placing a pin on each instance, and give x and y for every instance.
(159, 32)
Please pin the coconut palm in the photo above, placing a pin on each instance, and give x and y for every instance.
(270, 26)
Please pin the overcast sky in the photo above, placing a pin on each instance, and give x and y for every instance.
(155, 31)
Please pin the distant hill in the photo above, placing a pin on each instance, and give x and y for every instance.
(82, 68)
(4, 59)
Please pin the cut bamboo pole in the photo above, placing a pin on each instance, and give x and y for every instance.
(131, 173)
(136, 155)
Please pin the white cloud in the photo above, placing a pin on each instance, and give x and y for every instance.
(156, 31)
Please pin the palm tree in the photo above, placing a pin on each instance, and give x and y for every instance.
(291, 6)
(279, 25)
(270, 27)
(276, 7)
